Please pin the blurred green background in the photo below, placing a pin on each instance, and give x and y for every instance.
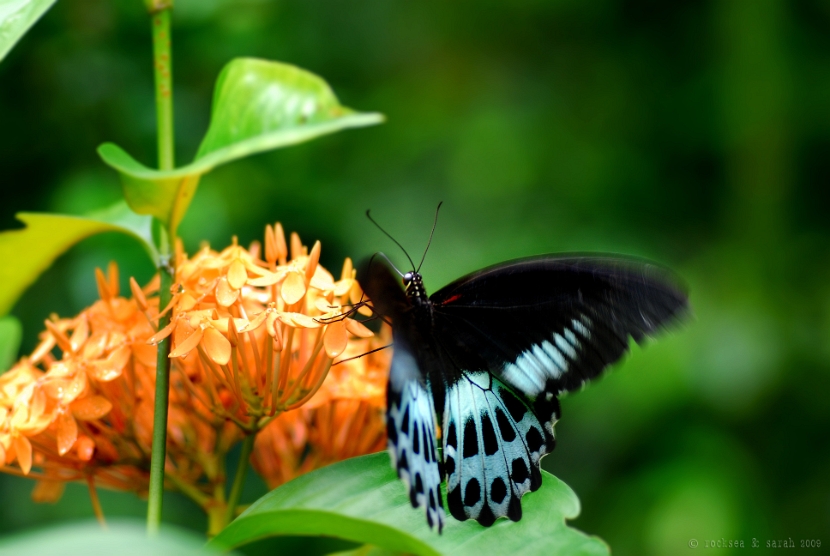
(693, 133)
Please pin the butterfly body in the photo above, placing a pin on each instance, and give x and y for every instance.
(489, 355)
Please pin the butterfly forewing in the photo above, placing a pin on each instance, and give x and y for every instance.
(549, 324)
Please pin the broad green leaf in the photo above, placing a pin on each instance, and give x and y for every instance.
(362, 500)
(28, 252)
(258, 105)
(10, 335)
(121, 538)
(16, 16)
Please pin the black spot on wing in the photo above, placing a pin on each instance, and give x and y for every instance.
(519, 472)
(416, 441)
(405, 421)
(449, 465)
(470, 439)
(516, 408)
(491, 444)
(451, 438)
(534, 439)
(486, 516)
(505, 428)
(498, 490)
(402, 463)
(472, 492)
(455, 504)
(419, 484)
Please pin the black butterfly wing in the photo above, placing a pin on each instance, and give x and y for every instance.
(551, 323)
(410, 410)
(516, 335)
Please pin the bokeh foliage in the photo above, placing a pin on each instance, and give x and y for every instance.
(693, 133)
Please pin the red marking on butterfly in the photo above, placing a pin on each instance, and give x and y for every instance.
(456, 297)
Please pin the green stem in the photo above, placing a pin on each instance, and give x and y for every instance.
(159, 450)
(239, 478)
(163, 69)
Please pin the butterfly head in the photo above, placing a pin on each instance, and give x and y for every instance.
(413, 284)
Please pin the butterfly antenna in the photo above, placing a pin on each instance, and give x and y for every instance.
(390, 263)
(434, 223)
(369, 216)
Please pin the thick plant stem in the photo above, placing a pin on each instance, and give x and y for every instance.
(163, 69)
(159, 450)
(239, 478)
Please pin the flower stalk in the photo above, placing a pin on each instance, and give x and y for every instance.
(163, 73)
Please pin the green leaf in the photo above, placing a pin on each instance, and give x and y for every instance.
(28, 252)
(258, 105)
(362, 500)
(11, 333)
(16, 16)
(122, 538)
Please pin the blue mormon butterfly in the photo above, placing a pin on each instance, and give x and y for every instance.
(489, 354)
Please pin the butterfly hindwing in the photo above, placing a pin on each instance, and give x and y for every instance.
(411, 434)
(493, 443)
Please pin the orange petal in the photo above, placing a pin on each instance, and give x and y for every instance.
(225, 295)
(80, 334)
(67, 432)
(42, 349)
(237, 274)
(91, 408)
(217, 346)
(23, 449)
(267, 279)
(296, 246)
(348, 268)
(111, 367)
(255, 322)
(343, 287)
(293, 288)
(59, 336)
(188, 344)
(313, 261)
(186, 302)
(162, 334)
(325, 306)
(299, 320)
(112, 278)
(103, 285)
(271, 254)
(85, 447)
(138, 295)
(356, 328)
(335, 339)
(279, 236)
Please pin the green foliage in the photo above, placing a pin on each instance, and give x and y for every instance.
(10, 335)
(28, 252)
(362, 500)
(122, 538)
(16, 17)
(257, 106)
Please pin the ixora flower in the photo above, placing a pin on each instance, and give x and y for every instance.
(253, 344)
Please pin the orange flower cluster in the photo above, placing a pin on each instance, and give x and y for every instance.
(252, 339)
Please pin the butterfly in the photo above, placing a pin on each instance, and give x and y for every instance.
(488, 356)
